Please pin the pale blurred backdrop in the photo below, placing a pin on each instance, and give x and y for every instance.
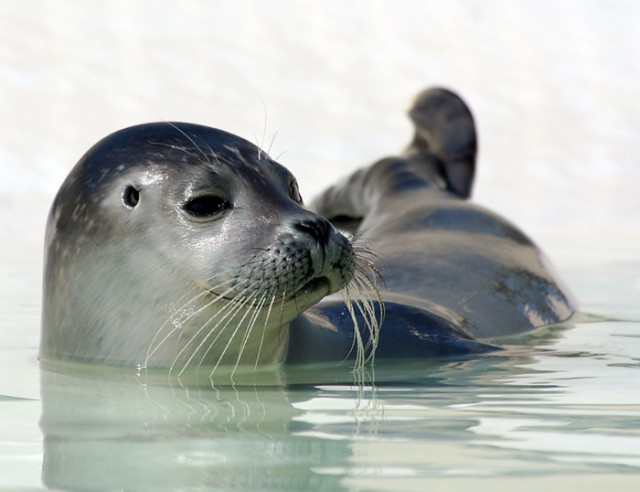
(554, 87)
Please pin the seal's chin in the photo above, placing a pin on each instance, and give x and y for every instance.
(316, 287)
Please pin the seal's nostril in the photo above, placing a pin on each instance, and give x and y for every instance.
(318, 229)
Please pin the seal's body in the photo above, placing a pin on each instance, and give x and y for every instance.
(177, 245)
(455, 274)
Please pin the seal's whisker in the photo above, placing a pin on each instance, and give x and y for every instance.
(264, 330)
(362, 283)
(211, 157)
(368, 308)
(373, 328)
(224, 311)
(362, 262)
(264, 131)
(361, 249)
(366, 276)
(360, 359)
(150, 349)
(249, 330)
(185, 150)
(368, 282)
(273, 140)
(227, 311)
(232, 311)
(188, 137)
(191, 300)
(233, 334)
(250, 324)
(357, 341)
(236, 305)
(181, 323)
(346, 295)
(279, 156)
(365, 262)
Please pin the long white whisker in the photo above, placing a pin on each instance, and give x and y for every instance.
(273, 139)
(367, 308)
(219, 330)
(228, 311)
(247, 333)
(224, 311)
(151, 350)
(235, 332)
(180, 325)
(346, 294)
(371, 323)
(264, 329)
(188, 137)
(360, 358)
(193, 299)
(360, 305)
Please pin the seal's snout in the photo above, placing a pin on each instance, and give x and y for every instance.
(319, 229)
(321, 257)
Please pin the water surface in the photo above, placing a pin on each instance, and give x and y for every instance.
(554, 91)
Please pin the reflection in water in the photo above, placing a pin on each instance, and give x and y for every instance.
(109, 431)
(528, 411)
(126, 435)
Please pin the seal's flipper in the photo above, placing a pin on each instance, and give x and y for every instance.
(407, 332)
(442, 154)
(445, 129)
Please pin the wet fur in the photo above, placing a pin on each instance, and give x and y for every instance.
(426, 273)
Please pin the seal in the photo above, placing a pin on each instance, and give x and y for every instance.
(169, 243)
(178, 245)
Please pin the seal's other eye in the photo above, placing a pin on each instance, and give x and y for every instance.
(294, 192)
(130, 197)
(206, 206)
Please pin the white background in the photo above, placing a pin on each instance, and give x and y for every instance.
(554, 87)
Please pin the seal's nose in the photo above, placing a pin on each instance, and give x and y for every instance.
(319, 229)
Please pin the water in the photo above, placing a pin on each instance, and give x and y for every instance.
(554, 90)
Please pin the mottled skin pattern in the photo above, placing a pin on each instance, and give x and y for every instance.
(136, 274)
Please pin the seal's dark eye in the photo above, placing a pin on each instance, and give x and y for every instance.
(206, 206)
(294, 192)
(130, 197)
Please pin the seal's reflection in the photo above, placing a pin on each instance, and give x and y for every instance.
(105, 433)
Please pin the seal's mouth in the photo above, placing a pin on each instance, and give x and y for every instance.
(317, 286)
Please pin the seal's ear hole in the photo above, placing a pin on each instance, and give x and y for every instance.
(294, 192)
(206, 206)
(130, 196)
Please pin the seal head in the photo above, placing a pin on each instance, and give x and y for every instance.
(173, 244)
